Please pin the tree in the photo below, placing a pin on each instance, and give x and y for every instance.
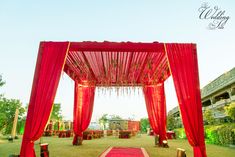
(115, 117)
(56, 112)
(230, 111)
(171, 122)
(1, 81)
(144, 124)
(1, 84)
(7, 110)
(104, 120)
(208, 117)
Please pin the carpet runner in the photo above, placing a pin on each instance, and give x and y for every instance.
(124, 152)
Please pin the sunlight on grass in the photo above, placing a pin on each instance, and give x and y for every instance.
(62, 147)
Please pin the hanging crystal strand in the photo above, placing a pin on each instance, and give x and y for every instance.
(134, 90)
(102, 91)
(115, 89)
(141, 89)
(106, 91)
(98, 91)
(123, 91)
(118, 90)
(110, 91)
(133, 87)
(127, 90)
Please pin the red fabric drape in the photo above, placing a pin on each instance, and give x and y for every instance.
(156, 108)
(83, 108)
(107, 68)
(50, 62)
(184, 68)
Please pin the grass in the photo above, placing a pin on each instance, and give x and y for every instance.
(62, 147)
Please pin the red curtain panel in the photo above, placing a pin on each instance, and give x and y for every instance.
(83, 108)
(156, 108)
(117, 66)
(50, 62)
(184, 69)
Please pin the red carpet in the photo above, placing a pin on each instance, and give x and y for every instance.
(124, 152)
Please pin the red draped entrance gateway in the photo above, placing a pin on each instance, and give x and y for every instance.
(92, 64)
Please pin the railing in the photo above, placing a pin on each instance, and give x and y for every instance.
(220, 103)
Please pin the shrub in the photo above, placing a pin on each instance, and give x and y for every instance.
(230, 111)
(220, 135)
(171, 122)
(208, 116)
(211, 133)
(180, 133)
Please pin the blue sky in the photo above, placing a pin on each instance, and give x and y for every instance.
(23, 24)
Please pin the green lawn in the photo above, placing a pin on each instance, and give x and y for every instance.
(62, 147)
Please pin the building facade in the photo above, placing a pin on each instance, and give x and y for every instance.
(122, 124)
(215, 96)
